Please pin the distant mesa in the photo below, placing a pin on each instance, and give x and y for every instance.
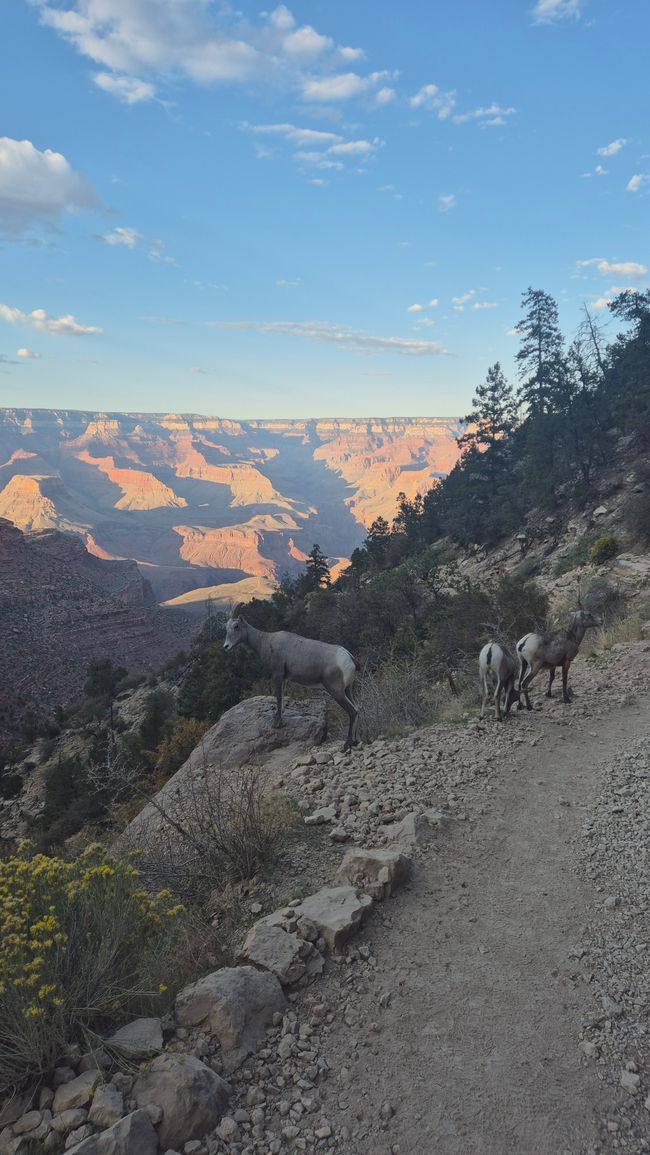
(255, 495)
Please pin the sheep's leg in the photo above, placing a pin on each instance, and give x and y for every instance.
(497, 701)
(341, 698)
(525, 683)
(523, 667)
(486, 692)
(279, 683)
(508, 688)
(565, 676)
(551, 676)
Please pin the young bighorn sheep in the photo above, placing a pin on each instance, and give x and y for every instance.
(302, 660)
(548, 651)
(496, 664)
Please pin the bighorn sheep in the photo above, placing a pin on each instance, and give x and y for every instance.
(547, 651)
(496, 663)
(302, 660)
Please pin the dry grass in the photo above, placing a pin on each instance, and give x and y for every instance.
(620, 630)
(397, 697)
(222, 827)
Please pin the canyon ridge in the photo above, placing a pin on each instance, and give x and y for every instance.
(211, 507)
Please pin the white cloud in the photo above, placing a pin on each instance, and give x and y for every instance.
(549, 11)
(355, 147)
(197, 369)
(122, 236)
(637, 182)
(446, 202)
(433, 99)
(303, 137)
(485, 305)
(612, 148)
(28, 355)
(385, 95)
(458, 303)
(288, 284)
(492, 115)
(319, 160)
(630, 269)
(37, 188)
(433, 303)
(66, 326)
(341, 87)
(603, 302)
(415, 309)
(128, 89)
(341, 335)
(140, 44)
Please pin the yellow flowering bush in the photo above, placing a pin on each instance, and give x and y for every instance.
(81, 944)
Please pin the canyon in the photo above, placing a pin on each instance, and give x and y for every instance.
(210, 507)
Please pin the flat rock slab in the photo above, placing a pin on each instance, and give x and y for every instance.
(192, 1097)
(236, 1004)
(375, 872)
(286, 955)
(337, 912)
(141, 1038)
(77, 1093)
(133, 1135)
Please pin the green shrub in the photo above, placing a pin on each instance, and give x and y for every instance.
(159, 707)
(603, 549)
(82, 944)
(176, 748)
(578, 554)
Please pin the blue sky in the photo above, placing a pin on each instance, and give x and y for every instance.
(314, 209)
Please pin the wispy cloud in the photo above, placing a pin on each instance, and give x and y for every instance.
(494, 115)
(342, 336)
(28, 354)
(127, 89)
(284, 284)
(38, 188)
(316, 147)
(551, 11)
(66, 326)
(344, 86)
(632, 269)
(613, 147)
(446, 202)
(157, 253)
(122, 236)
(458, 303)
(603, 302)
(637, 182)
(433, 99)
(415, 309)
(485, 305)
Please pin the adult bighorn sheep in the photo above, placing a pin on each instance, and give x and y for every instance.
(497, 665)
(302, 660)
(548, 651)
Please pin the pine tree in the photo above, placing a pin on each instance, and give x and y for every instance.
(318, 570)
(540, 358)
(494, 416)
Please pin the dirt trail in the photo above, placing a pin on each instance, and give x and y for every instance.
(477, 1049)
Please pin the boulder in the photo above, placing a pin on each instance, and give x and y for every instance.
(414, 830)
(287, 956)
(107, 1106)
(337, 913)
(242, 735)
(77, 1093)
(321, 817)
(192, 1097)
(375, 872)
(133, 1135)
(141, 1039)
(236, 1004)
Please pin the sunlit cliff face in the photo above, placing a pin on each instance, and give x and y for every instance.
(203, 503)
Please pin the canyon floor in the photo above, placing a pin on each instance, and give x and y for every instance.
(498, 1004)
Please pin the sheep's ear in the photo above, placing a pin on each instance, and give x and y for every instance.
(236, 610)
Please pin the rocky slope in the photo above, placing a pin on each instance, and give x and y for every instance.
(60, 607)
(254, 495)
